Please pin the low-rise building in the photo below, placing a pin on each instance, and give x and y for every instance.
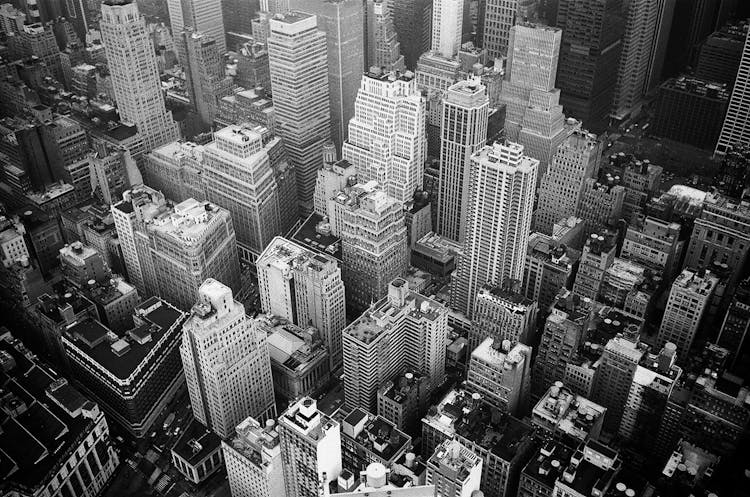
(253, 460)
(567, 415)
(197, 453)
(367, 439)
(404, 399)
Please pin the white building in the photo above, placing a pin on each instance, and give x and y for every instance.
(310, 449)
(305, 288)
(298, 61)
(736, 127)
(226, 363)
(463, 132)
(501, 198)
(404, 331)
(387, 135)
(331, 179)
(447, 21)
(253, 460)
(12, 247)
(135, 76)
(454, 470)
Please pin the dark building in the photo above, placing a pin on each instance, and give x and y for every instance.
(734, 173)
(589, 56)
(238, 15)
(413, 22)
(720, 55)
(690, 110)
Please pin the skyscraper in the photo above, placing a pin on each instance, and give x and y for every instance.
(463, 132)
(305, 288)
(227, 382)
(382, 342)
(383, 46)
(342, 22)
(310, 449)
(253, 460)
(499, 17)
(454, 469)
(299, 81)
(576, 159)
(447, 20)
(501, 196)
(203, 16)
(412, 20)
(387, 141)
(237, 175)
(591, 46)
(502, 314)
(736, 129)
(204, 73)
(135, 76)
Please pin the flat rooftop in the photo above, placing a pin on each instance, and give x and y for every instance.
(196, 443)
(309, 235)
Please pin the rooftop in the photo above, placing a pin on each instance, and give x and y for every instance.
(548, 462)
(567, 412)
(452, 458)
(290, 346)
(196, 443)
(402, 386)
(375, 434)
(314, 235)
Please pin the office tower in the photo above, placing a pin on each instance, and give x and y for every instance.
(310, 448)
(664, 17)
(381, 343)
(383, 47)
(736, 128)
(735, 329)
(653, 383)
(229, 382)
(237, 175)
(374, 247)
(175, 170)
(687, 303)
(733, 175)
(204, 73)
(387, 141)
(134, 374)
(591, 46)
(299, 82)
(497, 229)
(463, 132)
(404, 399)
(201, 16)
(11, 19)
(412, 20)
(299, 357)
(690, 110)
(238, 16)
(477, 425)
(434, 75)
(499, 17)
(502, 314)
(342, 22)
(305, 288)
(637, 46)
(614, 377)
(367, 439)
(563, 413)
(501, 372)
(534, 117)
(447, 20)
(597, 256)
(721, 234)
(600, 203)
(549, 266)
(135, 76)
(576, 159)
(253, 460)
(454, 469)
(74, 454)
(655, 244)
(721, 53)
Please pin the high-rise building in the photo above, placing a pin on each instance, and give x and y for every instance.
(463, 132)
(576, 159)
(202, 16)
(687, 303)
(383, 46)
(455, 470)
(135, 76)
(502, 314)
(736, 127)
(404, 399)
(387, 141)
(447, 20)
(367, 439)
(310, 449)
(501, 195)
(561, 412)
(342, 21)
(591, 46)
(721, 53)
(638, 43)
(253, 460)
(499, 17)
(412, 20)
(655, 244)
(332, 178)
(721, 234)
(597, 256)
(501, 372)
(237, 175)
(229, 382)
(735, 329)
(305, 288)
(614, 377)
(600, 203)
(381, 343)
(373, 243)
(299, 81)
